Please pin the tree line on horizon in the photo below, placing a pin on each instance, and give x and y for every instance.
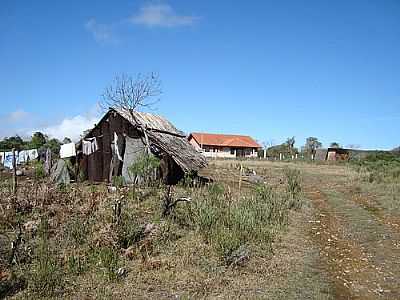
(38, 141)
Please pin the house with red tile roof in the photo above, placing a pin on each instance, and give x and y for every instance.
(224, 145)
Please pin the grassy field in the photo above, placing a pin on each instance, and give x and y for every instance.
(304, 231)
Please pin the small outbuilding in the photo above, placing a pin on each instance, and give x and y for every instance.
(122, 136)
(337, 154)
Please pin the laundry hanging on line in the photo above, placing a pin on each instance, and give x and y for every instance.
(8, 159)
(116, 146)
(23, 156)
(32, 154)
(67, 150)
(89, 146)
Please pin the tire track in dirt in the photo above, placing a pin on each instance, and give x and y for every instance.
(368, 203)
(347, 262)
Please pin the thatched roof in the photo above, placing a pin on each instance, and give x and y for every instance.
(167, 137)
(149, 121)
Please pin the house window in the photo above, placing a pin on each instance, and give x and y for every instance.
(232, 151)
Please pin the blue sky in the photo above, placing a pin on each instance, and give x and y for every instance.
(269, 69)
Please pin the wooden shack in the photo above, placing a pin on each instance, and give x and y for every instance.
(122, 135)
(337, 154)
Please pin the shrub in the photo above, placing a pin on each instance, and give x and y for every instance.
(143, 167)
(226, 242)
(46, 277)
(118, 181)
(378, 167)
(39, 171)
(108, 261)
(77, 264)
(229, 225)
(129, 232)
(76, 231)
(293, 187)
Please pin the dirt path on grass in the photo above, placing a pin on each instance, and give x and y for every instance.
(359, 248)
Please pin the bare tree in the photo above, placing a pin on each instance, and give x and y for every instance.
(132, 93)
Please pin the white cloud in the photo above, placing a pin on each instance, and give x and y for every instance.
(102, 33)
(25, 124)
(13, 123)
(161, 15)
(69, 127)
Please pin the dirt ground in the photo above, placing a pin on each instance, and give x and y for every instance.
(347, 235)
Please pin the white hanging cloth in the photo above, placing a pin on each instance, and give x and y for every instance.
(67, 150)
(116, 146)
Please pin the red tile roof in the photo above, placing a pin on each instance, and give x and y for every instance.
(224, 140)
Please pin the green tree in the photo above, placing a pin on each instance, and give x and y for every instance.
(312, 144)
(54, 145)
(38, 140)
(66, 140)
(334, 145)
(9, 143)
(290, 145)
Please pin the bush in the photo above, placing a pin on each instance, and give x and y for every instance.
(293, 187)
(39, 171)
(118, 181)
(46, 277)
(76, 231)
(77, 263)
(108, 261)
(143, 167)
(129, 232)
(379, 167)
(226, 242)
(229, 225)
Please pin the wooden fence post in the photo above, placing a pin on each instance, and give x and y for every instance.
(240, 178)
(14, 164)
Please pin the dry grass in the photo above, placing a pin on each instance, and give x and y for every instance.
(78, 238)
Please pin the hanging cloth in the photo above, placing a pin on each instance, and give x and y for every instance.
(86, 147)
(8, 160)
(89, 146)
(67, 150)
(116, 146)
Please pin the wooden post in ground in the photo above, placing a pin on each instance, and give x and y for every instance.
(240, 177)
(14, 164)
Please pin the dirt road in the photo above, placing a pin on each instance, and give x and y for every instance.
(359, 247)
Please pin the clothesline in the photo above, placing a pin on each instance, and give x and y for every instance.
(22, 156)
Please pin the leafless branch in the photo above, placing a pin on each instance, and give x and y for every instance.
(132, 93)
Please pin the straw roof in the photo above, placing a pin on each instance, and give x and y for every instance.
(167, 137)
(149, 121)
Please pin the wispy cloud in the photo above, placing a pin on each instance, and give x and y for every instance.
(15, 116)
(149, 15)
(102, 33)
(161, 15)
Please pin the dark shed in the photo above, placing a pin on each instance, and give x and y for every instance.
(177, 155)
(337, 154)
